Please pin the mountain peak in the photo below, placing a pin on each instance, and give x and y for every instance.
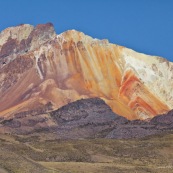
(23, 37)
(37, 67)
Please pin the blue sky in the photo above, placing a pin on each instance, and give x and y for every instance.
(143, 25)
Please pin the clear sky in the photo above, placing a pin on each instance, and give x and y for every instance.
(143, 25)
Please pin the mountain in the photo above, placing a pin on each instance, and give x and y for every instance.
(43, 71)
(85, 118)
(82, 119)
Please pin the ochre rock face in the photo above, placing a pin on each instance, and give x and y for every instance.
(38, 67)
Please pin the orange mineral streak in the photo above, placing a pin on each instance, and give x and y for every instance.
(138, 97)
(127, 88)
(139, 102)
(72, 67)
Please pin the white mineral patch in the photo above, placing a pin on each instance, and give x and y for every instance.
(160, 82)
(37, 67)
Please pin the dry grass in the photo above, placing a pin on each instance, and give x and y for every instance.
(30, 154)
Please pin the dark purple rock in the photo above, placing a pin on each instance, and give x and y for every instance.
(86, 118)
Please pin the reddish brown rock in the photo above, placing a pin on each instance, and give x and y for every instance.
(37, 67)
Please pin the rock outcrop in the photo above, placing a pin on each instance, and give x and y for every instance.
(38, 67)
(85, 118)
(82, 119)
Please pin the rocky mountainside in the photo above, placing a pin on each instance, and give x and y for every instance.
(82, 119)
(40, 70)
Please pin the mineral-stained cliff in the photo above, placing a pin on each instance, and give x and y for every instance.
(38, 68)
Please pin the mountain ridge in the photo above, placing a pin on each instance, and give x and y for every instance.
(37, 67)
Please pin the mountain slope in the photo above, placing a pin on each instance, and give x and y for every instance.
(38, 68)
(82, 119)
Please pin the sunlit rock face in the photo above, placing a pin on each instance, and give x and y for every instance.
(39, 67)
